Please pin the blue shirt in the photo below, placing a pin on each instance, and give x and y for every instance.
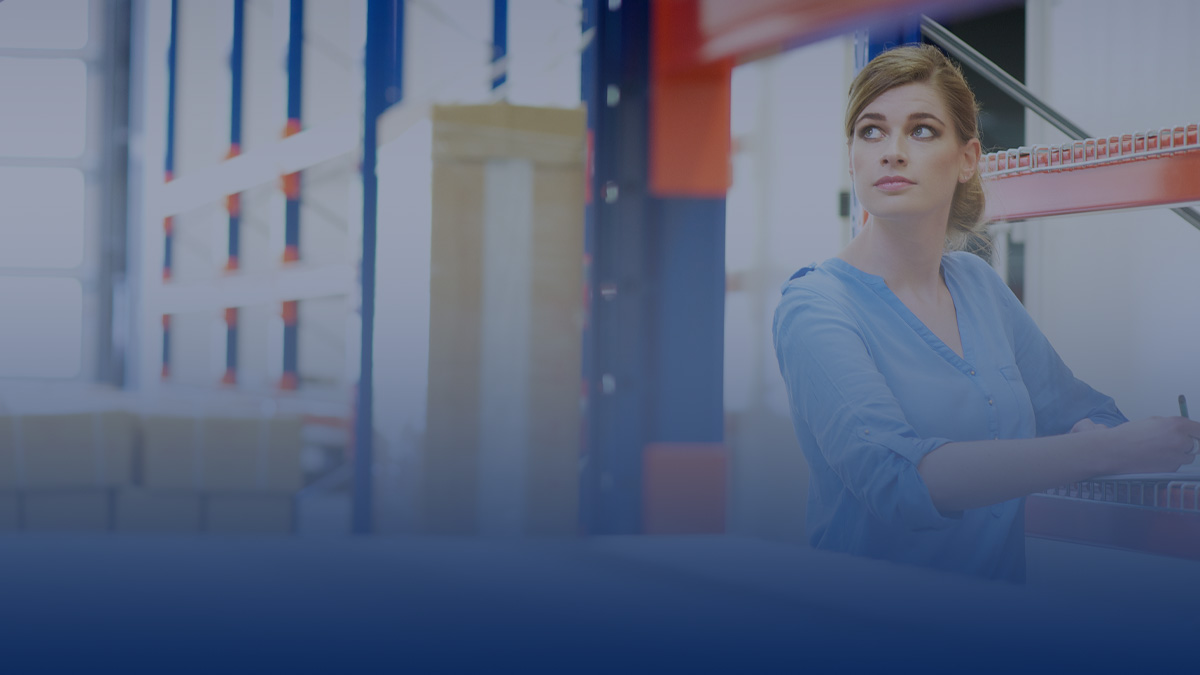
(872, 391)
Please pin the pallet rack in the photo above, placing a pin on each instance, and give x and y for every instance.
(237, 288)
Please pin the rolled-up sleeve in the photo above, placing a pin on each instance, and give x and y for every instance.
(836, 390)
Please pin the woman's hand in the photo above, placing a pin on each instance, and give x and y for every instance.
(1154, 445)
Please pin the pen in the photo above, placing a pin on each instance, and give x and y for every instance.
(1182, 406)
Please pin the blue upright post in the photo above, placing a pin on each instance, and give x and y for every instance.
(168, 175)
(499, 45)
(620, 382)
(880, 40)
(589, 483)
(384, 85)
(291, 191)
(233, 202)
(654, 350)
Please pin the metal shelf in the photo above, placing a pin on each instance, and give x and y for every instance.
(1158, 515)
(1153, 168)
(1179, 492)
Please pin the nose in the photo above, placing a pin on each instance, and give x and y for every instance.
(895, 153)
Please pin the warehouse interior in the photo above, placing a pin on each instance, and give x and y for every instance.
(348, 333)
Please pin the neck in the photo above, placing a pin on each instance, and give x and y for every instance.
(907, 255)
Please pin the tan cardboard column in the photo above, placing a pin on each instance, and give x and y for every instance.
(501, 445)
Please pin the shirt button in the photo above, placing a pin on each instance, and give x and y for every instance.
(990, 402)
(995, 438)
(867, 431)
(972, 372)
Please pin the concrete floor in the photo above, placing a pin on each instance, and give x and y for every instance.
(112, 603)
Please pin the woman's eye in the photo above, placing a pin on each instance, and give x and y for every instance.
(924, 131)
(870, 132)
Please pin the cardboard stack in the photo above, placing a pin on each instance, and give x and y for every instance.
(215, 475)
(501, 446)
(60, 472)
(122, 471)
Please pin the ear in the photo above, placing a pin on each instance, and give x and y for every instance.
(971, 151)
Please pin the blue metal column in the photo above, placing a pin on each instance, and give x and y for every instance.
(384, 75)
(168, 175)
(589, 486)
(499, 45)
(618, 397)
(291, 191)
(233, 202)
(654, 349)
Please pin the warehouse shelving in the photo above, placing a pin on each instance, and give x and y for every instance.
(1152, 168)
(234, 288)
(253, 284)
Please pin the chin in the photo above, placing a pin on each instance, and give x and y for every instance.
(893, 211)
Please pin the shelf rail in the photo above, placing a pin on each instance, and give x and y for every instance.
(1091, 151)
(1164, 494)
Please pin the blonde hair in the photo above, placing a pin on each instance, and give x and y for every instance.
(926, 64)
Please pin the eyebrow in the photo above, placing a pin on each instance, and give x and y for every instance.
(912, 117)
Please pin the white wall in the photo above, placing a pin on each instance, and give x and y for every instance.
(782, 214)
(1117, 292)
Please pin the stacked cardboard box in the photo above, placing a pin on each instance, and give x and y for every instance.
(501, 441)
(215, 475)
(109, 470)
(60, 472)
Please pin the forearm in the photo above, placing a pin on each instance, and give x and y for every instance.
(971, 474)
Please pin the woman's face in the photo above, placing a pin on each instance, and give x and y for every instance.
(905, 158)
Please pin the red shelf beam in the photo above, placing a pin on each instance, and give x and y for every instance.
(1161, 531)
(1133, 170)
(747, 29)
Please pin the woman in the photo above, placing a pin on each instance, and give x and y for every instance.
(926, 400)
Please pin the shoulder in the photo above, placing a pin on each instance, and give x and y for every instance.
(812, 284)
(814, 292)
(976, 274)
(970, 265)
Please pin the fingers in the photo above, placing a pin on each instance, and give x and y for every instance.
(1189, 427)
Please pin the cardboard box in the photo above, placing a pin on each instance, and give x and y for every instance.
(221, 454)
(93, 449)
(83, 510)
(501, 446)
(150, 511)
(249, 513)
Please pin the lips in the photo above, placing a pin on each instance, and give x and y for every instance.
(888, 183)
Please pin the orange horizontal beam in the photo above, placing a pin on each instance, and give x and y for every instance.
(1159, 180)
(748, 28)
